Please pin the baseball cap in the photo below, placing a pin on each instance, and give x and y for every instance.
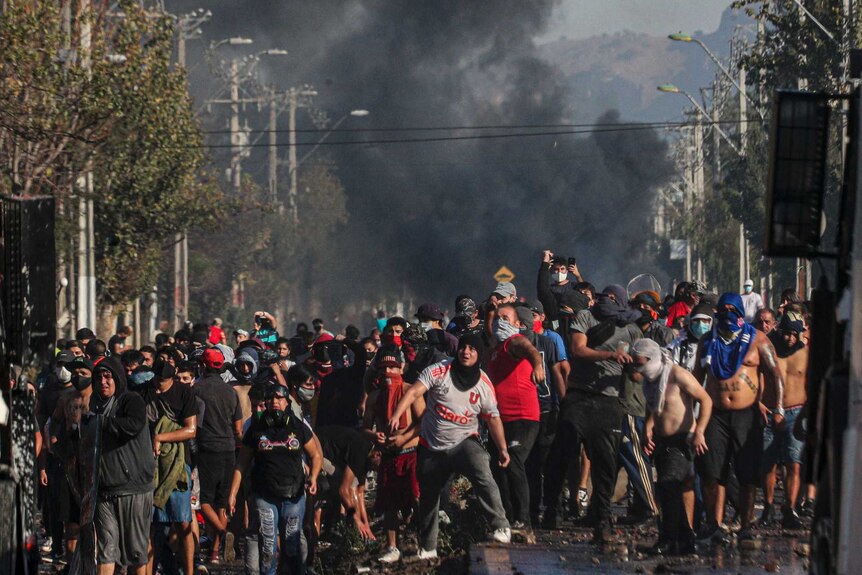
(65, 356)
(389, 356)
(212, 358)
(536, 306)
(748, 282)
(466, 307)
(702, 311)
(240, 332)
(525, 316)
(276, 390)
(429, 310)
(505, 289)
(80, 362)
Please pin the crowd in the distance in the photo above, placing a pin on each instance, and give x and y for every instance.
(206, 444)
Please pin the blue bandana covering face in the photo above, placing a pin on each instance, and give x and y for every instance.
(726, 347)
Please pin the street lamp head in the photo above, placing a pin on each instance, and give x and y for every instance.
(669, 88)
(359, 113)
(680, 37)
(275, 52)
(239, 41)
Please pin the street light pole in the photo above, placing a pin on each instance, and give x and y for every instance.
(671, 89)
(687, 38)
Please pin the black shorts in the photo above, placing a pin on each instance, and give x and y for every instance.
(215, 474)
(673, 458)
(68, 509)
(733, 437)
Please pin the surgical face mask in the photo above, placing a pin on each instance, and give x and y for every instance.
(426, 326)
(63, 374)
(747, 289)
(700, 328)
(503, 330)
(537, 326)
(559, 277)
(305, 394)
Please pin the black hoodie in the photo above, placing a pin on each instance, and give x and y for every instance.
(127, 465)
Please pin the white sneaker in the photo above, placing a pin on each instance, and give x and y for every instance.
(502, 535)
(391, 556)
(422, 554)
(47, 545)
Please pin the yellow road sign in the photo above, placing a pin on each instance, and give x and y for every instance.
(504, 274)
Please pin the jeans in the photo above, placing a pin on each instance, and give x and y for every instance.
(512, 480)
(538, 457)
(593, 421)
(435, 468)
(279, 520)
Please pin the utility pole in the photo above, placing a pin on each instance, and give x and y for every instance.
(188, 27)
(235, 150)
(698, 179)
(86, 305)
(273, 145)
(296, 97)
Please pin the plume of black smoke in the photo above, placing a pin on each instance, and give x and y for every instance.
(442, 217)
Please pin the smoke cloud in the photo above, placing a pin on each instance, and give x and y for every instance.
(441, 217)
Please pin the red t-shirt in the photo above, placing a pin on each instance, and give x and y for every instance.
(678, 309)
(517, 397)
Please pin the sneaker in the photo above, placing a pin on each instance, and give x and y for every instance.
(47, 545)
(392, 555)
(790, 520)
(201, 569)
(229, 550)
(443, 518)
(423, 555)
(767, 518)
(549, 519)
(503, 535)
(806, 509)
(583, 502)
(518, 525)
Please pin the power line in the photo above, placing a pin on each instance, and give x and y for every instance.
(615, 128)
(667, 123)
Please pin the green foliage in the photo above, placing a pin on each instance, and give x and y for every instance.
(150, 184)
(69, 105)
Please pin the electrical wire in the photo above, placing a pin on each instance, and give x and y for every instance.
(611, 128)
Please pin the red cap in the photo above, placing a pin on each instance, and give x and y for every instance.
(213, 358)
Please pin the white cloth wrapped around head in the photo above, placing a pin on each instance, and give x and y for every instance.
(656, 372)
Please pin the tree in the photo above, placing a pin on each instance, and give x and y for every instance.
(92, 90)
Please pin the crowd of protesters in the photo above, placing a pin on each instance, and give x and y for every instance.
(209, 445)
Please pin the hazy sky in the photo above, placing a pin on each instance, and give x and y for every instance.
(583, 18)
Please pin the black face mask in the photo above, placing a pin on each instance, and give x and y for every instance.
(274, 418)
(81, 382)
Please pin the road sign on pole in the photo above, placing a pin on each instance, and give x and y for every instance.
(504, 274)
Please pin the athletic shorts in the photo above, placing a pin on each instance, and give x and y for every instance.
(64, 501)
(215, 472)
(397, 487)
(673, 458)
(123, 529)
(781, 446)
(178, 508)
(734, 437)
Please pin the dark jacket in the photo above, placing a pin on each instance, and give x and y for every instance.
(126, 465)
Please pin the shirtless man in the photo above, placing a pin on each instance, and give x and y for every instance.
(672, 438)
(732, 358)
(780, 444)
